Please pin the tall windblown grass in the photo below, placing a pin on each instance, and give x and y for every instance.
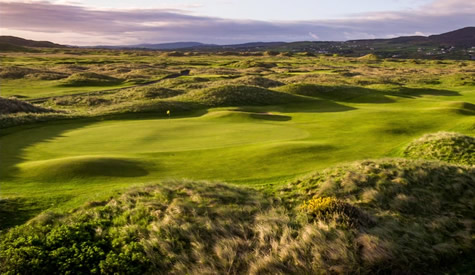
(389, 216)
(450, 147)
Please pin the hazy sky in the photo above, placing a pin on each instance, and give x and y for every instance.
(88, 22)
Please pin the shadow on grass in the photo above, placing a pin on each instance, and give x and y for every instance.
(14, 141)
(419, 92)
(355, 94)
(315, 106)
(17, 211)
(271, 117)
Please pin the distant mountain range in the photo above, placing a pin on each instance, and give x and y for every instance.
(456, 44)
(161, 46)
(459, 38)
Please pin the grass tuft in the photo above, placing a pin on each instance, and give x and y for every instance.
(445, 146)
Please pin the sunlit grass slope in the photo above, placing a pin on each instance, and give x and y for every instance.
(256, 145)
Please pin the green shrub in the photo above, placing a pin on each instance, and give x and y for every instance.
(74, 248)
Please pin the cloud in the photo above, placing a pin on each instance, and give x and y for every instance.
(73, 24)
(314, 36)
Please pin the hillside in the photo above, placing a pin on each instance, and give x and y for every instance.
(451, 45)
(159, 46)
(17, 41)
(463, 37)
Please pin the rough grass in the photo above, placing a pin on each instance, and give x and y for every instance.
(11, 106)
(369, 57)
(259, 81)
(336, 92)
(248, 63)
(15, 72)
(374, 217)
(47, 75)
(239, 95)
(312, 90)
(90, 79)
(421, 212)
(17, 119)
(445, 146)
(149, 92)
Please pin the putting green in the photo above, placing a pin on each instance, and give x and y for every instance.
(153, 136)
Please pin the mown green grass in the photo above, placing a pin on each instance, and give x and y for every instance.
(24, 89)
(247, 145)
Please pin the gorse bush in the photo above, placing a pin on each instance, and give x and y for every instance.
(79, 247)
(450, 147)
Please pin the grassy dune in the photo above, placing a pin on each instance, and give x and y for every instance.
(450, 147)
(391, 215)
(109, 167)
